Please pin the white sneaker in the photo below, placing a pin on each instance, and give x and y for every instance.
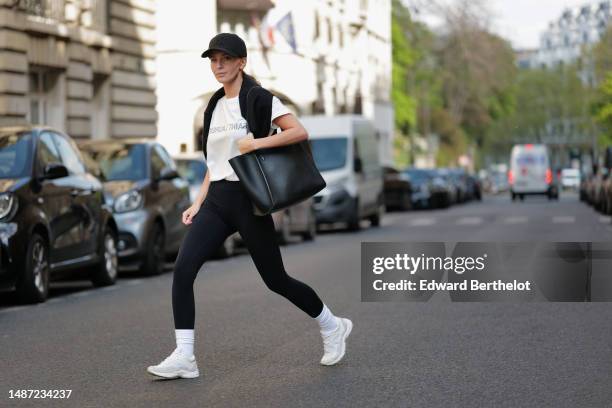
(176, 365)
(334, 344)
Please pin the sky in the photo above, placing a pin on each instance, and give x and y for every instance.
(522, 21)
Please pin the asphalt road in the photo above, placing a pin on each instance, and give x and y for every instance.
(256, 349)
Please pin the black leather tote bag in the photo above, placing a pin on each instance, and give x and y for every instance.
(278, 177)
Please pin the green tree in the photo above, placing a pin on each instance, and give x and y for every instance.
(403, 57)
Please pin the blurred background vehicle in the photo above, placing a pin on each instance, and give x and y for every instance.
(147, 196)
(443, 180)
(594, 187)
(53, 216)
(398, 190)
(570, 178)
(606, 205)
(345, 151)
(420, 181)
(531, 172)
(474, 187)
(458, 177)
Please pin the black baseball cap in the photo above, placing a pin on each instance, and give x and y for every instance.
(229, 43)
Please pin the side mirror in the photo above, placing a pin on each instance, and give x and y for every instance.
(168, 174)
(55, 171)
(358, 166)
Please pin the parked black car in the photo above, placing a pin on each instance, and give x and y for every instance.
(420, 184)
(53, 216)
(397, 189)
(147, 196)
(474, 188)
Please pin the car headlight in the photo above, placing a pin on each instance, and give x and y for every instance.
(129, 201)
(8, 204)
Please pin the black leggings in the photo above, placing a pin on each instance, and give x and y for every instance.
(227, 209)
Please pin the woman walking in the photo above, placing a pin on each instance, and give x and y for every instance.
(223, 207)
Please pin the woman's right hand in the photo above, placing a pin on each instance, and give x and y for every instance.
(189, 213)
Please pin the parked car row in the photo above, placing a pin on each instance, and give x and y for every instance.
(596, 188)
(440, 187)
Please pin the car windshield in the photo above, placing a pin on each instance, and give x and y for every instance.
(119, 161)
(329, 153)
(15, 154)
(417, 175)
(191, 170)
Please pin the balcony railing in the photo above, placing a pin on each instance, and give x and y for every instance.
(51, 9)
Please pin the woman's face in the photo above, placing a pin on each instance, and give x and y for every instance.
(225, 67)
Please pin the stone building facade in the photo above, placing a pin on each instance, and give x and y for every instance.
(86, 67)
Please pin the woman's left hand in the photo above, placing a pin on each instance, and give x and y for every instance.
(247, 144)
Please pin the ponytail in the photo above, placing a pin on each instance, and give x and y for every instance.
(252, 78)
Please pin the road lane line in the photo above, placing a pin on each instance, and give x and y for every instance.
(563, 219)
(469, 221)
(519, 219)
(421, 222)
(605, 219)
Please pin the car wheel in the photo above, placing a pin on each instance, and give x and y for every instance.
(513, 196)
(154, 258)
(311, 233)
(105, 273)
(376, 218)
(353, 222)
(33, 286)
(522, 197)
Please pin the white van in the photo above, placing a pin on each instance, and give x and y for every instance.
(345, 150)
(530, 172)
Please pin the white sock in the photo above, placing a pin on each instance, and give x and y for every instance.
(327, 321)
(184, 341)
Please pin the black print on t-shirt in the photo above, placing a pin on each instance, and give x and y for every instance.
(229, 126)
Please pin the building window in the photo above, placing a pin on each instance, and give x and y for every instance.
(100, 107)
(329, 31)
(340, 36)
(46, 97)
(51, 9)
(317, 27)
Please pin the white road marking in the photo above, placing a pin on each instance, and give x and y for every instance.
(605, 219)
(469, 221)
(563, 219)
(519, 219)
(421, 222)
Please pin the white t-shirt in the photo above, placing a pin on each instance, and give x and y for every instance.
(227, 126)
